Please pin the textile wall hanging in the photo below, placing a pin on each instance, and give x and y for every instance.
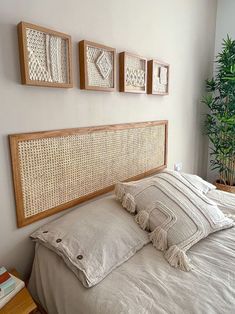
(158, 78)
(132, 73)
(45, 56)
(97, 66)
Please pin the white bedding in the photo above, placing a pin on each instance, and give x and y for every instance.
(144, 284)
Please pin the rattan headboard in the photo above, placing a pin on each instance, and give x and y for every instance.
(55, 170)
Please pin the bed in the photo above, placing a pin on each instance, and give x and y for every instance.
(57, 170)
(143, 284)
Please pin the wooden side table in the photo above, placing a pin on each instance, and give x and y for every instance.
(22, 302)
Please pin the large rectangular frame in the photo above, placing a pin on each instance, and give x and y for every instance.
(125, 143)
(24, 60)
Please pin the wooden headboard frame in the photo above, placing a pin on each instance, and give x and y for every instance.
(55, 170)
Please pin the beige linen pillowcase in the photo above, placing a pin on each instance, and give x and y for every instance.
(225, 201)
(93, 239)
(198, 182)
(177, 214)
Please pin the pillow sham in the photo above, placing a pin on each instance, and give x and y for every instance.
(176, 213)
(225, 201)
(198, 182)
(93, 239)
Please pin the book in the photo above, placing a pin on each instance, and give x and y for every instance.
(19, 285)
(7, 284)
(4, 276)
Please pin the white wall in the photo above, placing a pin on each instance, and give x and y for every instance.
(225, 22)
(180, 32)
(225, 25)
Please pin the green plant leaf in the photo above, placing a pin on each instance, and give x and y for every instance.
(220, 121)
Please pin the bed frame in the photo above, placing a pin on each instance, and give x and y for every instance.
(55, 170)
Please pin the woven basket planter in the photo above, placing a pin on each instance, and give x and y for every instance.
(226, 188)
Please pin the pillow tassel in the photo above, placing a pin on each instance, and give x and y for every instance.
(177, 258)
(142, 219)
(128, 202)
(159, 238)
(119, 192)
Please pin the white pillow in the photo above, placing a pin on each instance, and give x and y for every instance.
(177, 214)
(225, 201)
(93, 239)
(198, 182)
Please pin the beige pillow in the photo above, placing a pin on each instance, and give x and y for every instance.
(198, 182)
(225, 201)
(93, 239)
(176, 213)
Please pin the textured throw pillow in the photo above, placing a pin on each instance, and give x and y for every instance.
(176, 213)
(93, 239)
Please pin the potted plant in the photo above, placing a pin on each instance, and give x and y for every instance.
(220, 121)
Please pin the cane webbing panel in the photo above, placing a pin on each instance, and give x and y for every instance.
(52, 169)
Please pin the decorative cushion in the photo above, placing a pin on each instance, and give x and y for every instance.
(93, 239)
(176, 213)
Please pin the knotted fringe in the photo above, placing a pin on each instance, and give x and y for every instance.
(177, 258)
(119, 191)
(142, 219)
(128, 202)
(159, 238)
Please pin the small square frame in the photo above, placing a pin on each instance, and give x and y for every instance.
(24, 56)
(150, 84)
(83, 64)
(123, 87)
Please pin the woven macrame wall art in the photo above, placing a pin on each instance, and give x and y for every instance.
(133, 73)
(158, 78)
(97, 66)
(45, 56)
(56, 170)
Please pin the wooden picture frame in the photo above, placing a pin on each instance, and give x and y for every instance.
(97, 66)
(45, 56)
(154, 85)
(132, 73)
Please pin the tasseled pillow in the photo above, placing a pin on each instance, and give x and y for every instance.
(176, 213)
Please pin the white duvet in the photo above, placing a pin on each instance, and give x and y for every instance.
(146, 283)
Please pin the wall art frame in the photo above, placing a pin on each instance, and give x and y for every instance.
(97, 65)
(45, 56)
(132, 78)
(158, 78)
